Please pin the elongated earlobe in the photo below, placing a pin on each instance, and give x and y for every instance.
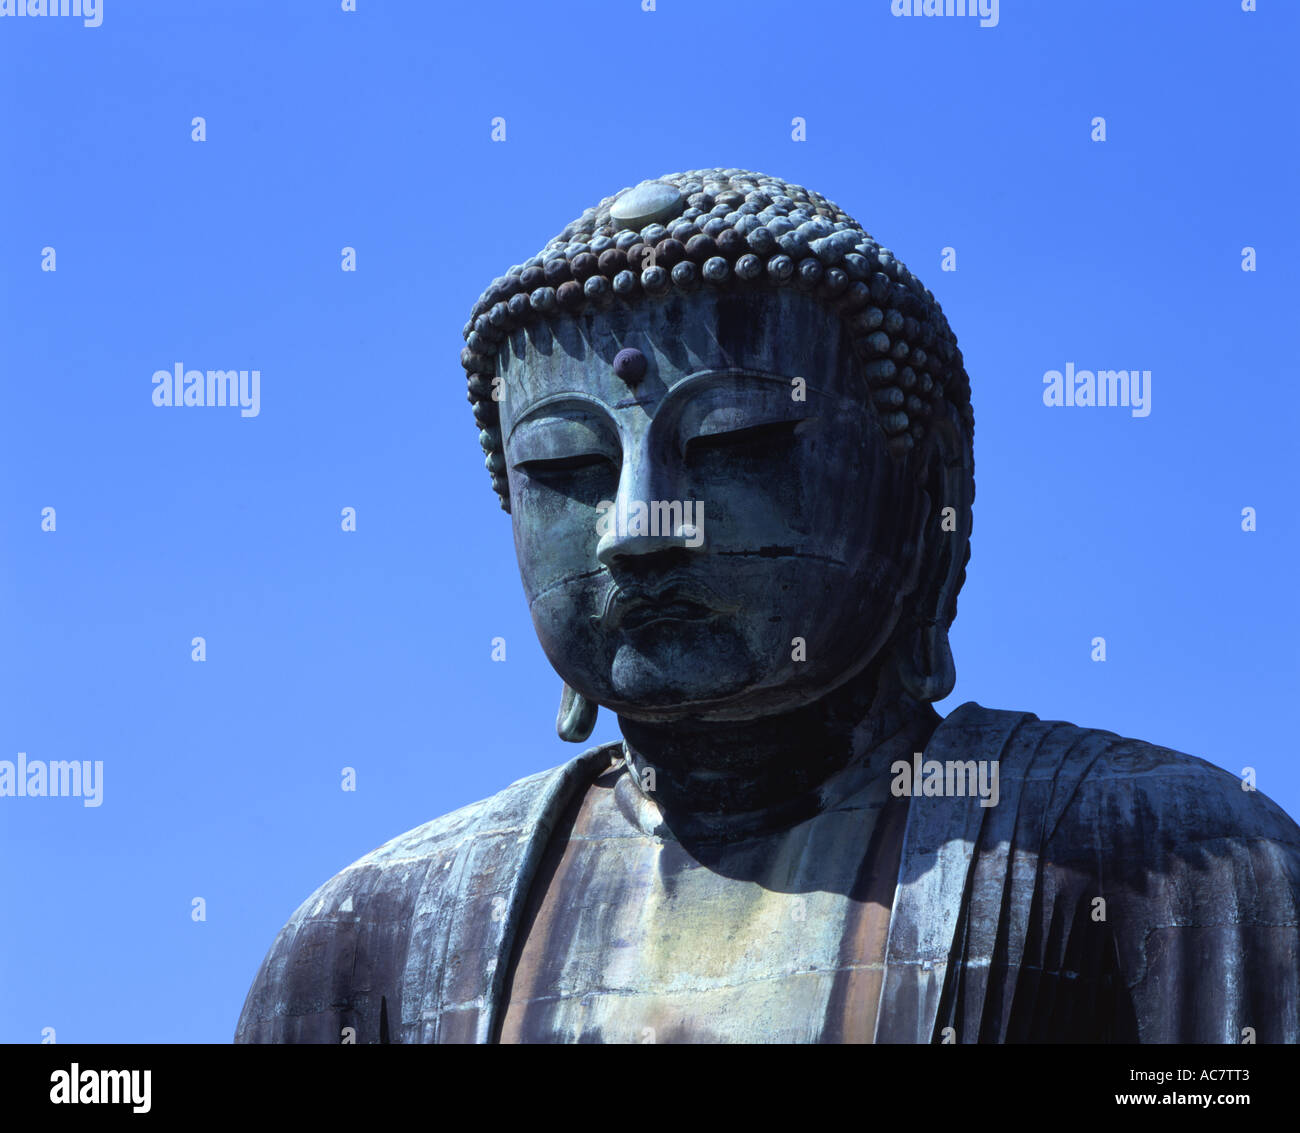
(925, 665)
(576, 718)
(924, 656)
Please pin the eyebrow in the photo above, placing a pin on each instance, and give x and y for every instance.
(682, 387)
(583, 401)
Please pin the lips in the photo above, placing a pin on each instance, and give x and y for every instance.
(638, 613)
(633, 607)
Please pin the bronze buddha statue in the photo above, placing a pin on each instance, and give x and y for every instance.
(734, 436)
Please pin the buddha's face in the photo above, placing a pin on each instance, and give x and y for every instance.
(759, 538)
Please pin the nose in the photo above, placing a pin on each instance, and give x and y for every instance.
(619, 546)
(647, 517)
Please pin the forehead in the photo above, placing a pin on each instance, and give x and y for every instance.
(782, 332)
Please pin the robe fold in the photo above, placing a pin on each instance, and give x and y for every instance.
(1117, 892)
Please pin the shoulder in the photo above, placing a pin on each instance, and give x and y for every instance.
(1121, 796)
(339, 960)
(1130, 856)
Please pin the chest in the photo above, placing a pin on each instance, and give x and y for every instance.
(636, 938)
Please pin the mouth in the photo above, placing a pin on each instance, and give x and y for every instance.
(638, 614)
(634, 607)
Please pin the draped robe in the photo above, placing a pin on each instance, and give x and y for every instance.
(1117, 892)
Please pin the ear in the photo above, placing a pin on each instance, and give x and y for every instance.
(945, 474)
(576, 718)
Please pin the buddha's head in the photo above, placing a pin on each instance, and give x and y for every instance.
(734, 437)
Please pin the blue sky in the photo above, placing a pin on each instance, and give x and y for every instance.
(372, 649)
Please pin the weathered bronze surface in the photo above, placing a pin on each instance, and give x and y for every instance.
(735, 443)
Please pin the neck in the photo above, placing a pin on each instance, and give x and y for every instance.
(768, 772)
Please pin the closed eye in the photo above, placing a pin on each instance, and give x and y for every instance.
(561, 464)
(754, 438)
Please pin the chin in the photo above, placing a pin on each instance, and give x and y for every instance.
(671, 664)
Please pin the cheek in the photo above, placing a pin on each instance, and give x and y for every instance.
(572, 641)
(555, 536)
(838, 498)
(855, 542)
